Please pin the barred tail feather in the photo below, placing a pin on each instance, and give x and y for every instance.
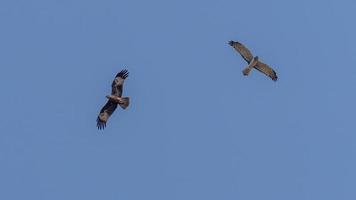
(125, 102)
(246, 71)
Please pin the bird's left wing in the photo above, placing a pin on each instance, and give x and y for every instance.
(267, 70)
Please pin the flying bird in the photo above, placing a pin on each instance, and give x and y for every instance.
(114, 99)
(253, 62)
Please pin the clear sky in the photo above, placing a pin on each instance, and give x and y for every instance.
(196, 127)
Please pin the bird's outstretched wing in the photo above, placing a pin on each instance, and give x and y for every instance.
(116, 86)
(243, 51)
(105, 113)
(267, 70)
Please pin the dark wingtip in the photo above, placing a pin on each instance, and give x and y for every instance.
(275, 77)
(231, 42)
(123, 74)
(100, 124)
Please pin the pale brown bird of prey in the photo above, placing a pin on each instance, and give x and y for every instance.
(253, 62)
(114, 99)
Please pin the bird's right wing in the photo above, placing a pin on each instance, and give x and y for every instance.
(105, 113)
(117, 84)
(243, 51)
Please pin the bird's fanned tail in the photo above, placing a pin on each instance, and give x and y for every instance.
(125, 101)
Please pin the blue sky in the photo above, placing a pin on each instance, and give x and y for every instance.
(196, 128)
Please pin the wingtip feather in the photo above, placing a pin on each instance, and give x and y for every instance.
(100, 124)
(274, 77)
(123, 74)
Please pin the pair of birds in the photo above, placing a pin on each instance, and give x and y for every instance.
(116, 98)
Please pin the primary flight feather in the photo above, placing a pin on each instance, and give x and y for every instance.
(252, 62)
(114, 99)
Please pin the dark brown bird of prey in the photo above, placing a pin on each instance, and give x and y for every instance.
(114, 99)
(252, 62)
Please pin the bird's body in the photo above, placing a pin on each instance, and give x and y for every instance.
(253, 62)
(114, 99)
(122, 101)
(250, 66)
